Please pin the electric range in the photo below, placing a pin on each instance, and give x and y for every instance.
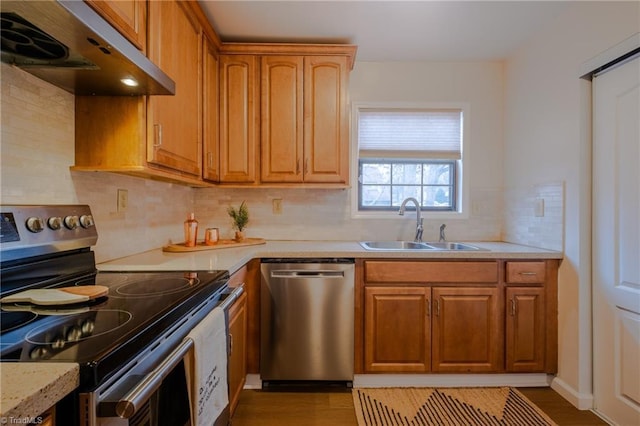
(134, 328)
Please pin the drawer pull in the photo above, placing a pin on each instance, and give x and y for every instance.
(528, 273)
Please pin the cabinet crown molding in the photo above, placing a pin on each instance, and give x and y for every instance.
(348, 50)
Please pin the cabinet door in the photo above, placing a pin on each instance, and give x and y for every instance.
(281, 118)
(397, 329)
(326, 133)
(467, 330)
(210, 102)
(238, 350)
(238, 118)
(129, 17)
(174, 122)
(525, 329)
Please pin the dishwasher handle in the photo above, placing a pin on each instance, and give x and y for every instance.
(306, 274)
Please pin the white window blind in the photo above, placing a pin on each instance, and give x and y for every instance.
(410, 133)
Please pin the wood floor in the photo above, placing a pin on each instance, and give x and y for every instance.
(334, 407)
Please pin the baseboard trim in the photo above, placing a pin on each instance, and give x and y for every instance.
(450, 380)
(253, 382)
(582, 401)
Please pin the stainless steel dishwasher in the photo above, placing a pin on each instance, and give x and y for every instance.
(306, 324)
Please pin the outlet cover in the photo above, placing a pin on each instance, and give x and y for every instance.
(276, 205)
(123, 200)
(539, 207)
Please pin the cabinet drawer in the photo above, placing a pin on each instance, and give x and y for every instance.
(525, 272)
(437, 272)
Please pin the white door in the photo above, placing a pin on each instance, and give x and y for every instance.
(616, 243)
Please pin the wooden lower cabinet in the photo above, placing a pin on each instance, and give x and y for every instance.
(440, 329)
(452, 316)
(238, 350)
(467, 330)
(525, 329)
(397, 329)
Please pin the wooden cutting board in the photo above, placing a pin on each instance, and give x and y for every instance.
(58, 296)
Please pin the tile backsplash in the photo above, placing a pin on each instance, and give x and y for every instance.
(37, 149)
(535, 216)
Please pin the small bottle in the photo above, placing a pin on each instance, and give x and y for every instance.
(190, 231)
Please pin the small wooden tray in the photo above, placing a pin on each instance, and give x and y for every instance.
(181, 248)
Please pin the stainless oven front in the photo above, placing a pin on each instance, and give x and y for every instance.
(152, 389)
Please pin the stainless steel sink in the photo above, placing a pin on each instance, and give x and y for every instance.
(395, 245)
(447, 245)
(411, 245)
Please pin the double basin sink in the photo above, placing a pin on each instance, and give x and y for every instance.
(411, 245)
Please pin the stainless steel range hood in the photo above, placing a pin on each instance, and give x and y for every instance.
(68, 44)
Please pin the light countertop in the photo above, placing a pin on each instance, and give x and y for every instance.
(27, 389)
(233, 258)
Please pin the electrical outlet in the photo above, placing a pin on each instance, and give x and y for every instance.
(123, 200)
(539, 207)
(276, 205)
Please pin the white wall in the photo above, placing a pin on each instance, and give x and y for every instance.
(547, 140)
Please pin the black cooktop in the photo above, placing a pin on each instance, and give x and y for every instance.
(104, 334)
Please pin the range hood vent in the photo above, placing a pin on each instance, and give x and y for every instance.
(69, 45)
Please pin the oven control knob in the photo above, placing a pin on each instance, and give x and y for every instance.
(35, 224)
(55, 222)
(58, 343)
(39, 352)
(86, 221)
(74, 334)
(71, 222)
(87, 327)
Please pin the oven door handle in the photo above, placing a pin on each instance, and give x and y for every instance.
(132, 401)
(233, 296)
(136, 397)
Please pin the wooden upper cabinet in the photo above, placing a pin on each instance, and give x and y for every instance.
(326, 127)
(151, 136)
(281, 118)
(304, 131)
(210, 101)
(129, 17)
(174, 123)
(239, 118)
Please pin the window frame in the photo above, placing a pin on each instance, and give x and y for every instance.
(453, 184)
(461, 170)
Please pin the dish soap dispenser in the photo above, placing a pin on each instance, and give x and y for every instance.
(190, 231)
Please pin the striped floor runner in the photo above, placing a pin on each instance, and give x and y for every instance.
(446, 406)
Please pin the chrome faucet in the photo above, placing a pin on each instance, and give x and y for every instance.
(403, 206)
(442, 237)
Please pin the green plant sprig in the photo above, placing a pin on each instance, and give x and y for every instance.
(240, 216)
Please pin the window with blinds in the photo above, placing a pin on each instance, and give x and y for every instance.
(409, 153)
